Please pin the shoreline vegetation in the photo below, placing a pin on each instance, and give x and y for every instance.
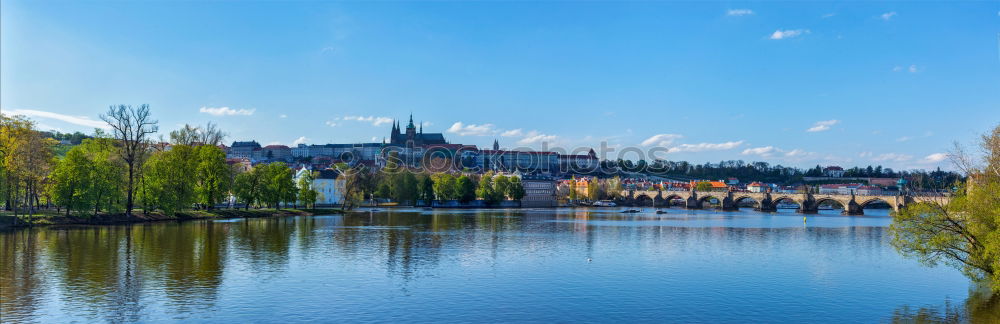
(8, 221)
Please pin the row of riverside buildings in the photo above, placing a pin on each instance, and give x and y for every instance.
(416, 149)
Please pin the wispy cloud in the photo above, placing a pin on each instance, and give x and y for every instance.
(823, 125)
(513, 133)
(904, 139)
(739, 12)
(374, 120)
(661, 140)
(282, 116)
(471, 129)
(788, 33)
(828, 15)
(700, 147)
(936, 157)
(765, 151)
(76, 120)
(300, 140)
(331, 123)
(226, 111)
(887, 16)
(534, 137)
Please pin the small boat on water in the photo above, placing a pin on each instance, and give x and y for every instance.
(661, 212)
(630, 211)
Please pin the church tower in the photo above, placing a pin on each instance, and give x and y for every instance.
(411, 131)
(496, 145)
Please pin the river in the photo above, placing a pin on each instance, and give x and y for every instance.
(567, 265)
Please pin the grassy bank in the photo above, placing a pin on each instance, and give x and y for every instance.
(51, 217)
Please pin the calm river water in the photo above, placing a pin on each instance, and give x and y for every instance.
(476, 266)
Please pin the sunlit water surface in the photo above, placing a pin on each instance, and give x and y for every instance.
(583, 265)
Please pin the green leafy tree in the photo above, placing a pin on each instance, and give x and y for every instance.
(444, 186)
(502, 185)
(71, 181)
(167, 184)
(703, 186)
(383, 190)
(965, 232)
(426, 188)
(614, 187)
(466, 189)
(594, 190)
(278, 185)
(486, 189)
(211, 175)
(307, 194)
(107, 174)
(516, 189)
(247, 186)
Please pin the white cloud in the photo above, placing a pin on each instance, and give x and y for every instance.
(331, 123)
(513, 133)
(823, 125)
(282, 116)
(661, 140)
(534, 137)
(904, 139)
(739, 12)
(936, 157)
(226, 111)
(828, 15)
(796, 153)
(913, 69)
(888, 15)
(376, 121)
(865, 154)
(471, 129)
(892, 157)
(783, 34)
(76, 120)
(705, 147)
(765, 151)
(300, 140)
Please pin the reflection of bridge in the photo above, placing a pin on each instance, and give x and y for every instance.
(767, 201)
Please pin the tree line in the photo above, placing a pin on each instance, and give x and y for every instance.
(119, 170)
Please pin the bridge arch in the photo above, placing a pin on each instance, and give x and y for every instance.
(739, 199)
(643, 200)
(708, 199)
(837, 203)
(786, 199)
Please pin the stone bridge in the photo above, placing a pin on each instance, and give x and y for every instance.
(768, 201)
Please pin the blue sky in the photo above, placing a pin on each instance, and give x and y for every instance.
(794, 83)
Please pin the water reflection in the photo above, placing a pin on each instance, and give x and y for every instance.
(224, 270)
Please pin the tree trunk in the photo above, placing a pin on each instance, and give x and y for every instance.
(128, 201)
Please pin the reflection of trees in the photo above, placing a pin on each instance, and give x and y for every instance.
(189, 258)
(982, 306)
(97, 268)
(264, 243)
(20, 274)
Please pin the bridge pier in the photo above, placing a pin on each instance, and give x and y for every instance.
(693, 203)
(853, 209)
(729, 205)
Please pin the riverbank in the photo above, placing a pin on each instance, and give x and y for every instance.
(48, 218)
